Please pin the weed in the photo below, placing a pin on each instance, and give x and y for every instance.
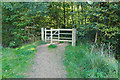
(52, 46)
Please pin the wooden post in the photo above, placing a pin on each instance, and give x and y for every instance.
(51, 35)
(74, 37)
(58, 34)
(45, 35)
(42, 34)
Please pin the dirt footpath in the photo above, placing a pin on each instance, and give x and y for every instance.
(48, 62)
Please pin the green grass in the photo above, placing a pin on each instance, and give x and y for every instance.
(0, 62)
(81, 64)
(52, 46)
(17, 62)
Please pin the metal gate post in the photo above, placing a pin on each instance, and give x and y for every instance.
(51, 36)
(45, 35)
(42, 34)
(73, 37)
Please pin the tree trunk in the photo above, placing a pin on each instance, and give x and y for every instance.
(82, 12)
(78, 14)
(72, 16)
(64, 13)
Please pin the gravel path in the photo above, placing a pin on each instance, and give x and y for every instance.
(48, 62)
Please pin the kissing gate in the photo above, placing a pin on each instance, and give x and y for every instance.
(57, 35)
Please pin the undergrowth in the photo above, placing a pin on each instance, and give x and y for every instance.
(52, 46)
(80, 63)
(16, 62)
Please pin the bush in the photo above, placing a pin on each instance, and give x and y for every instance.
(80, 63)
(52, 46)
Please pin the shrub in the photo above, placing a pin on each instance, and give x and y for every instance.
(52, 46)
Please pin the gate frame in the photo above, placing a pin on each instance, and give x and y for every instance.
(51, 34)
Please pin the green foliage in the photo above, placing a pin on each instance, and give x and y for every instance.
(12, 44)
(80, 63)
(52, 46)
(88, 19)
(16, 17)
(16, 62)
(61, 41)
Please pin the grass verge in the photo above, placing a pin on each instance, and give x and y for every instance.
(16, 62)
(80, 63)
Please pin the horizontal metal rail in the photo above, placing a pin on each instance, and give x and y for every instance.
(62, 29)
(67, 33)
(65, 38)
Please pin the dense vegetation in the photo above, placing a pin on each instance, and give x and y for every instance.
(98, 24)
(81, 63)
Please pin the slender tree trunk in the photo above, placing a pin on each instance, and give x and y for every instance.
(72, 16)
(82, 12)
(64, 13)
(85, 13)
(67, 18)
(78, 14)
(96, 36)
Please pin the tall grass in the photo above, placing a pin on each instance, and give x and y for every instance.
(16, 62)
(81, 63)
(0, 62)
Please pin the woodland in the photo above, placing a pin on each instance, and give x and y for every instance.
(98, 31)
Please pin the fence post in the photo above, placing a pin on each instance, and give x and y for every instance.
(58, 34)
(42, 34)
(51, 35)
(45, 35)
(73, 37)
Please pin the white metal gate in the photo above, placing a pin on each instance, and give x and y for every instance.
(50, 33)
